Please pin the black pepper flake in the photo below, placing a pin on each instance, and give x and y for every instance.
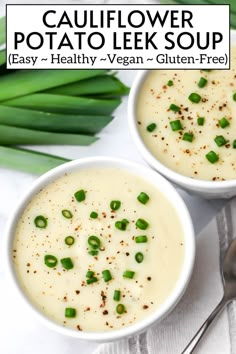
(145, 307)
(77, 292)
(149, 278)
(105, 312)
(79, 328)
(127, 254)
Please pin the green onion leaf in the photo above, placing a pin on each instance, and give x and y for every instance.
(139, 257)
(141, 239)
(89, 274)
(234, 96)
(106, 275)
(93, 253)
(194, 97)
(94, 242)
(220, 140)
(170, 83)
(234, 144)
(92, 280)
(70, 312)
(115, 205)
(67, 214)
(142, 224)
(122, 224)
(116, 296)
(176, 125)
(151, 127)
(223, 122)
(41, 222)
(80, 195)
(212, 157)
(188, 137)
(202, 82)
(174, 108)
(69, 240)
(50, 261)
(120, 309)
(201, 121)
(128, 274)
(67, 263)
(93, 215)
(143, 198)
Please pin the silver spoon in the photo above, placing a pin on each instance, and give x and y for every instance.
(229, 279)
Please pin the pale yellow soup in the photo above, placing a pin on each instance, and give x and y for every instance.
(168, 146)
(52, 290)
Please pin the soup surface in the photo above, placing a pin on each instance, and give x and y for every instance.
(194, 135)
(138, 243)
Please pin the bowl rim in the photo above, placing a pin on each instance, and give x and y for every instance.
(174, 176)
(144, 172)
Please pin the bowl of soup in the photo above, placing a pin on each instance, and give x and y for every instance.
(100, 248)
(183, 123)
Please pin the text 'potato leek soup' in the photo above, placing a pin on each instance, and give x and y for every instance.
(187, 120)
(98, 249)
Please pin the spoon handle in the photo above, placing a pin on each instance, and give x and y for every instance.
(196, 339)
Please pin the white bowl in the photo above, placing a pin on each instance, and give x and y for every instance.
(207, 189)
(169, 192)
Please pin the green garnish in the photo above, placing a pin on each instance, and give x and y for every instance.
(93, 253)
(207, 70)
(234, 96)
(142, 224)
(201, 121)
(223, 122)
(69, 240)
(176, 125)
(116, 296)
(67, 263)
(70, 312)
(120, 309)
(93, 215)
(151, 127)
(115, 204)
(141, 239)
(122, 224)
(212, 157)
(94, 242)
(220, 140)
(188, 137)
(139, 257)
(202, 82)
(106, 275)
(41, 222)
(194, 97)
(89, 274)
(92, 280)
(50, 261)
(80, 195)
(170, 83)
(143, 198)
(234, 144)
(174, 108)
(128, 274)
(67, 214)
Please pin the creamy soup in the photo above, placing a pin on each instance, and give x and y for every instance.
(98, 249)
(187, 120)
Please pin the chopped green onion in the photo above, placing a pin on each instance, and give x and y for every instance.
(116, 296)
(143, 198)
(93, 253)
(70, 312)
(128, 274)
(92, 280)
(220, 140)
(50, 261)
(67, 263)
(234, 96)
(67, 214)
(80, 195)
(207, 70)
(201, 121)
(94, 242)
(115, 204)
(202, 82)
(141, 239)
(139, 257)
(89, 274)
(120, 309)
(151, 127)
(194, 97)
(174, 108)
(122, 224)
(223, 122)
(69, 240)
(176, 125)
(93, 215)
(142, 224)
(106, 275)
(234, 144)
(188, 137)
(170, 83)
(212, 157)
(40, 221)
